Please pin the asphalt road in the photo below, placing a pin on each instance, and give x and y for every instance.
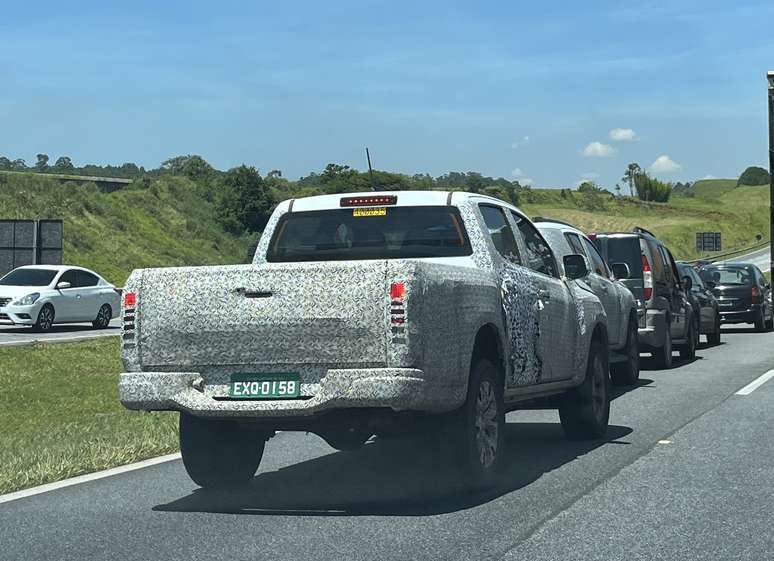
(685, 473)
(760, 257)
(15, 335)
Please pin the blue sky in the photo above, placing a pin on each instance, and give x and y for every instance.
(515, 89)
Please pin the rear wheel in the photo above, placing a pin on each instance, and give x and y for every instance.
(688, 350)
(585, 410)
(104, 315)
(479, 426)
(220, 454)
(627, 373)
(760, 323)
(45, 318)
(663, 354)
(714, 337)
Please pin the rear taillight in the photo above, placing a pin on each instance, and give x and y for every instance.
(130, 299)
(647, 278)
(398, 312)
(756, 295)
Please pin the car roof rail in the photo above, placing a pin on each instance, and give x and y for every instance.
(554, 220)
(641, 230)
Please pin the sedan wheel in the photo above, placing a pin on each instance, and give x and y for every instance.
(45, 318)
(103, 318)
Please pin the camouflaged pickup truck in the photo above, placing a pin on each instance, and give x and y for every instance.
(367, 314)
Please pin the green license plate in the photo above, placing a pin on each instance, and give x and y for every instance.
(264, 386)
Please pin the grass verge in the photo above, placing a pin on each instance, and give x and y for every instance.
(60, 415)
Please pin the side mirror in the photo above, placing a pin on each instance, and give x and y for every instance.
(620, 271)
(687, 283)
(62, 285)
(575, 266)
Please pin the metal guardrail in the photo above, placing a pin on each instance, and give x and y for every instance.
(729, 253)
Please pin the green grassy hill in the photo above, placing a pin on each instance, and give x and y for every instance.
(712, 188)
(165, 224)
(739, 213)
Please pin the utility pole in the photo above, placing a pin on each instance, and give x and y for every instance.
(370, 171)
(770, 79)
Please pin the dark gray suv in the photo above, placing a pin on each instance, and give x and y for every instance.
(666, 319)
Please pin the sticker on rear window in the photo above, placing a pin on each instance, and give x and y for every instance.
(361, 212)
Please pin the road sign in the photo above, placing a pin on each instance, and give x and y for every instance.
(29, 242)
(708, 241)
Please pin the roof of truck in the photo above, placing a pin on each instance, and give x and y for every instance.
(404, 198)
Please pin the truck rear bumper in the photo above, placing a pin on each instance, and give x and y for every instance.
(399, 389)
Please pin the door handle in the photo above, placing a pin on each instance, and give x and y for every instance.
(249, 293)
(78, 296)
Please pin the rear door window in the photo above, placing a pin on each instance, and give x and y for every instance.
(500, 233)
(87, 279)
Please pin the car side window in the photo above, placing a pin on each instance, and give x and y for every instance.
(500, 233)
(596, 259)
(70, 276)
(539, 256)
(575, 243)
(698, 284)
(87, 279)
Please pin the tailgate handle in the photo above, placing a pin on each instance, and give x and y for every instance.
(248, 293)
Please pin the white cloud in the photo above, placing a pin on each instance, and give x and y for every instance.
(517, 172)
(665, 164)
(708, 176)
(598, 150)
(623, 135)
(519, 143)
(590, 175)
(525, 181)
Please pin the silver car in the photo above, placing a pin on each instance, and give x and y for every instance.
(42, 295)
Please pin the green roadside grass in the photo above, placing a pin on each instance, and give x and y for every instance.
(60, 415)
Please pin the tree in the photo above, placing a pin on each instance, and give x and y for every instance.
(588, 187)
(42, 163)
(64, 164)
(632, 170)
(18, 164)
(754, 175)
(651, 189)
(243, 204)
(5, 163)
(617, 190)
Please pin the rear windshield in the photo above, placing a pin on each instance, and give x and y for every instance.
(28, 277)
(369, 233)
(622, 250)
(727, 275)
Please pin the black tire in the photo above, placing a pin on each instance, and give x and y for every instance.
(688, 350)
(104, 315)
(345, 440)
(627, 373)
(478, 430)
(760, 323)
(219, 454)
(585, 410)
(663, 354)
(45, 319)
(714, 337)
(769, 324)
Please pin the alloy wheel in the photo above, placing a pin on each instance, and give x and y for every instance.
(487, 427)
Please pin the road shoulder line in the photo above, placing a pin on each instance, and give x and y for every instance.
(755, 384)
(16, 495)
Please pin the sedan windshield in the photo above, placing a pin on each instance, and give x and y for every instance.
(28, 277)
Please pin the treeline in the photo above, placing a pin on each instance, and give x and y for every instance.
(64, 165)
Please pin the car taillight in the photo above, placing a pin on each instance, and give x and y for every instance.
(130, 299)
(647, 278)
(369, 201)
(756, 295)
(398, 311)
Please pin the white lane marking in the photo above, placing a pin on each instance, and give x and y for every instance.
(755, 384)
(16, 495)
(65, 339)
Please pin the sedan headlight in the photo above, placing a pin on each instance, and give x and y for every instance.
(28, 300)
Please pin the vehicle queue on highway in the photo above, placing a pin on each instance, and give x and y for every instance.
(478, 298)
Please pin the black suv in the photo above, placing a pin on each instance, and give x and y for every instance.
(666, 318)
(742, 291)
(705, 305)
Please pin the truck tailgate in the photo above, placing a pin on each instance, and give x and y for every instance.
(274, 314)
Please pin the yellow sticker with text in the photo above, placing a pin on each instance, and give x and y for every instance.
(361, 212)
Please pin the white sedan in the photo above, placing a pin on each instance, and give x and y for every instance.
(42, 295)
